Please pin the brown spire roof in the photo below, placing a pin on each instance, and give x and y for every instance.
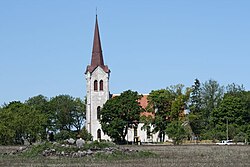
(97, 58)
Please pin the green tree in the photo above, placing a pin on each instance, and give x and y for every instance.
(234, 110)
(41, 103)
(85, 135)
(195, 116)
(176, 132)
(38, 102)
(179, 103)
(68, 112)
(246, 100)
(212, 94)
(79, 114)
(7, 133)
(159, 102)
(195, 98)
(234, 89)
(167, 105)
(231, 112)
(62, 106)
(24, 121)
(120, 113)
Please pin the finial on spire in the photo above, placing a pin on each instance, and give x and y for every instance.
(96, 11)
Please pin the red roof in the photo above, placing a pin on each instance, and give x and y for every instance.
(143, 102)
(97, 57)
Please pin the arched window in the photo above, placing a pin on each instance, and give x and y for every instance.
(101, 85)
(99, 134)
(98, 112)
(95, 85)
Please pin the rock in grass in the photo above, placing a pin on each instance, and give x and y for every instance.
(80, 142)
(71, 141)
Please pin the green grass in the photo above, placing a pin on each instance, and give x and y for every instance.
(117, 155)
(36, 150)
(147, 156)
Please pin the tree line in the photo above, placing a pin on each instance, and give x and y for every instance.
(61, 117)
(203, 111)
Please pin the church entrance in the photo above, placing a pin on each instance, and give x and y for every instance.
(99, 134)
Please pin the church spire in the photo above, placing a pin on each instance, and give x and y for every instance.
(97, 57)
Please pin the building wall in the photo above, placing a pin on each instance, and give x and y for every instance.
(95, 99)
(142, 134)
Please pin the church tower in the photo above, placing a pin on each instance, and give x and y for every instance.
(97, 77)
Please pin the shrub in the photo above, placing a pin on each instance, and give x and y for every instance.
(176, 132)
(64, 134)
(85, 135)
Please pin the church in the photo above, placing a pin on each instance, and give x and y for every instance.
(97, 81)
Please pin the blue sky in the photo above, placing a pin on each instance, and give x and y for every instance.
(45, 45)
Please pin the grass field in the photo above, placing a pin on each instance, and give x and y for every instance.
(190, 155)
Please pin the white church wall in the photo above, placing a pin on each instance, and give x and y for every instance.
(96, 98)
(143, 136)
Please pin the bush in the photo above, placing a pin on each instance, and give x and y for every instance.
(176, 132)
(36, 150)
(85, 135)
(240, 137)
(64, 134)
(98, 145)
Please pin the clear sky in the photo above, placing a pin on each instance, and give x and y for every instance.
(45, 45)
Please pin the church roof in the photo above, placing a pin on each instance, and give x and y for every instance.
(97, 57)
(143, 103)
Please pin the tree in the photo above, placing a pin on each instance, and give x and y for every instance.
(179, 103)
(167, 105)
(195, 116)
(176, 132)
(79, 114)
(40, 103)
(212, 94)
(85, 135)
(195, 98)
(234, 89)
(7, 133)
(120, 113)
(233, 110)
(22, 121)
(68, 112)
(32, 120)
(246, 100)
(159, 102)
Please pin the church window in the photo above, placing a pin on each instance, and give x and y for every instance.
(98, 112)
(99, 134)
(101, 85)
(95, 85)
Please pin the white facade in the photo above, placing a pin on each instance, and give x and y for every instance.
(143, 135)
(95, 100)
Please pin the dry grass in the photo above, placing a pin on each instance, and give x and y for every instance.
(190, 155)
